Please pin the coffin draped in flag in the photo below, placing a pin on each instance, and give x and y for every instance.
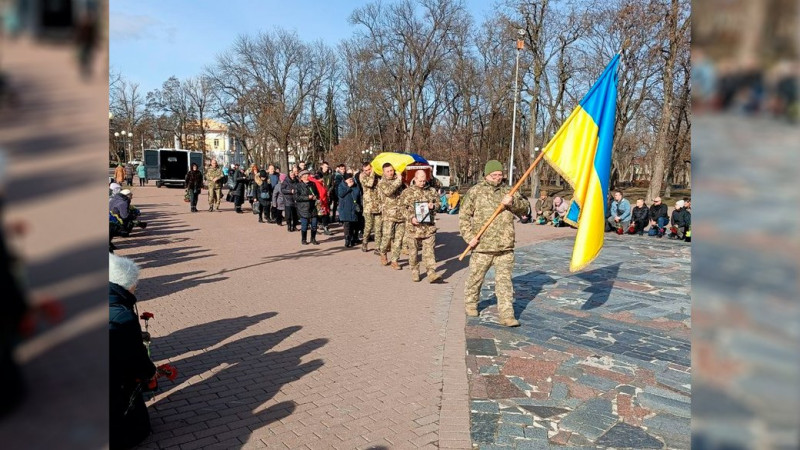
(581, 153)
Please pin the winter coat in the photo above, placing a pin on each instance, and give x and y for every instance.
(119, 174)
(141, 171)
(478, 205)
(275, 179)
(277, 199)
(129, 171)
(657, 211)
(194, 180)
(263, 188)
(120, 205)
(681, 218)
(288, 188)
(348, 199)
(640, 214)
(128, 365)
(236, 182)
(306, 208)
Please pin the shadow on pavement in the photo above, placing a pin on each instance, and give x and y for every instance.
(238, 378)
(602, 280)
(169, 256)
(158, 286)
(200, 336)
(527, 287)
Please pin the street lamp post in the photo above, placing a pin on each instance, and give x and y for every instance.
(520, 46)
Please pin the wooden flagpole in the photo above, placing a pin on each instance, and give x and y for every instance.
(501, 207)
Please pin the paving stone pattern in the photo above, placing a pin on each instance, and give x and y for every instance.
(602, 359)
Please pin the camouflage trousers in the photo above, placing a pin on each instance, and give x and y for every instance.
(393, 233)
(214, 197)
(479, 264)
(428, 258)
(373, 223)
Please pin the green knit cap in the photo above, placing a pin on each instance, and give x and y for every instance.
(492, 166)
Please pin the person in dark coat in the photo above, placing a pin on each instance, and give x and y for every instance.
(305, 197)
(681, 221)
(659, 218)
(263, 194)
(130, 367)
(237, 181)
(349, 193)
(641, 217)
(194, 184)
(288, 188)
(14, 307)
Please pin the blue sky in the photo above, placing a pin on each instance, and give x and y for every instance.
(152, 40)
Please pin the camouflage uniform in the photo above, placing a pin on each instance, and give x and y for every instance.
(545, 206)
(371, 198)
(393, 217)
(496, 246)
(214, 189)
(423, 234)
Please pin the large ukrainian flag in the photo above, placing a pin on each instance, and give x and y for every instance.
(581, 152)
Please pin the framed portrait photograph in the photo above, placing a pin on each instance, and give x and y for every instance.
(423, 213)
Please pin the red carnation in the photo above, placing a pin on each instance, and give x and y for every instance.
(146, 315)
(168, 371)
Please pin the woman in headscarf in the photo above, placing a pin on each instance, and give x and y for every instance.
(130, 367)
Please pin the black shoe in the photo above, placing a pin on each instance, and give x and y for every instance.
(304, 242)
(260, 220)
(314, 241)
(211, 209)
(347, 243)
(142, 225)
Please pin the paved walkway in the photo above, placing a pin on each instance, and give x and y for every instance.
(602, 358)
(282, 344)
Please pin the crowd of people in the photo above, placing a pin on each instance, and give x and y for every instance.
(654, 219)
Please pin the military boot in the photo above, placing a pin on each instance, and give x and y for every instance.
(509, 322)
(384, 260)
(396, 266)
(472, 310)
(434, 277)
(304, 235)
(415, 274)
(364, 247)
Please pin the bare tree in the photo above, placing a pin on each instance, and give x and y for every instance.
(173, 101)
(127, 104)
(676, 35)
(198, 92)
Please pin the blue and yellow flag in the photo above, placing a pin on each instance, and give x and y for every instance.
(581, 153)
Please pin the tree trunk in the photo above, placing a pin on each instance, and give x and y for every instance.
(661, 157)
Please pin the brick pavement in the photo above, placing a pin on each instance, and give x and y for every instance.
(282, 344)
(602, 358)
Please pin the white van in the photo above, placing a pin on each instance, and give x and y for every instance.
(441, 171)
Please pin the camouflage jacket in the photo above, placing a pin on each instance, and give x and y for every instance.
(545, 206)
(371, 197)
(414, 195)
(477, 207)
(390, 190)
(212, 173)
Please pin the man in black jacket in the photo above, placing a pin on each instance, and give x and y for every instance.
(658, 218)
(130, 367)
(640, 217)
